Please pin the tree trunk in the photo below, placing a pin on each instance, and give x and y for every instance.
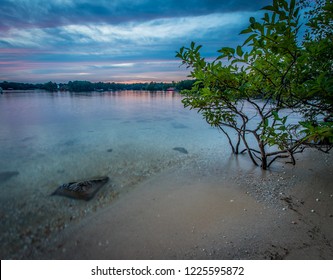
(263, 156)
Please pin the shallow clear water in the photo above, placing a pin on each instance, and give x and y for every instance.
(44, 134)
(47, 139)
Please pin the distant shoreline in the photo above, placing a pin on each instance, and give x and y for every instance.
(86, 86)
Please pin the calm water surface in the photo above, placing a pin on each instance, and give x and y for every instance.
(47, 139)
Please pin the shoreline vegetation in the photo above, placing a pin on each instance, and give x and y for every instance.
(292, 75)
(84, 86)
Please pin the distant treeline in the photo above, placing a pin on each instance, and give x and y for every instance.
(79, 86)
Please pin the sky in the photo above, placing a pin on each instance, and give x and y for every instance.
(114, 40)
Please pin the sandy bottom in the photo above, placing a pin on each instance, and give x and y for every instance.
(212, 208)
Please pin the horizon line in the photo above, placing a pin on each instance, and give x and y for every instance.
(105, 82)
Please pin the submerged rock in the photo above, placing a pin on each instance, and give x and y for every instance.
(6, 175)
(181, 150)
(178, 125)
(71, 142)
(82, 189)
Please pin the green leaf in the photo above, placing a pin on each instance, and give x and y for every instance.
(269, 8)
(220, 57)
(296, 12)
(266, 17)
(292, 5)
(227, 51)
(276, 4)
(283, 15)
(198, 48)
(238, 60)
(285, 5)
(250, 38)
(252, 20)
(239, 51)
(246, 31)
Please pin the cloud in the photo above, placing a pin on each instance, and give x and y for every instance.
(141, 34)
(103, 39)
(52, 13)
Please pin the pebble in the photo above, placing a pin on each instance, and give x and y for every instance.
(312, 211)
(317, 199)
(284, 209)
(231, 200)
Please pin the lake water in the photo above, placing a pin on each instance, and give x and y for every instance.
(47, 139)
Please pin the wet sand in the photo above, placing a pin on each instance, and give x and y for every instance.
(212, 208)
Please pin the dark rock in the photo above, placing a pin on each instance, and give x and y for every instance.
(82, 189)
(69, 143)
(178, 125)
(27, 138)
(181, 150)
(6, 175)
